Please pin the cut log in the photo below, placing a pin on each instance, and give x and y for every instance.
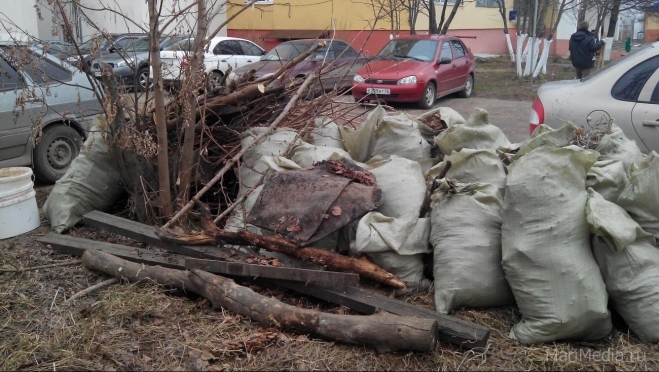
(450, 329)
(331, 260)
(382, 331)
(314, 277)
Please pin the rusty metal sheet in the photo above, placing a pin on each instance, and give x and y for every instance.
(305, 206)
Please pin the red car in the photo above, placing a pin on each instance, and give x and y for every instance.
(417, 68)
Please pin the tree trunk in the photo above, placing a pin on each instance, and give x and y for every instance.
(187, 152)
(502, 12)
(382, 331)
(456, 6)
(164, 195)
(611, 33)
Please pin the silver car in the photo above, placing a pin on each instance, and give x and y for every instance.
(42, 99)
(626, 91)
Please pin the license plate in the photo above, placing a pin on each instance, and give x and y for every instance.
(377, 91)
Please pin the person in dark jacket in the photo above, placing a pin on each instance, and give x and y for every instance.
(583, 46)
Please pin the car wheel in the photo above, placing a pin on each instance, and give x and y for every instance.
(59, 145)
(469, 88)
(215, 80)
(143, 80)
(429, 96)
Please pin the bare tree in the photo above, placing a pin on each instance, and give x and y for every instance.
(442, 25)
(501, 6)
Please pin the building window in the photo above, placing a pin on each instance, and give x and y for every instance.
(488, 3)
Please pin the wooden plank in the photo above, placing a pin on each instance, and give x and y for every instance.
(145, 233)
(321, 278)
(77, 246)
(450, 329)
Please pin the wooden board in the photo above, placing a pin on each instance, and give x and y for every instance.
(77, 246)
(450, 329)
(314, 277)
(144, 233)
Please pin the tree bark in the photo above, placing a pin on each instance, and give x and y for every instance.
(164, 195)
(382, 331)
(187, 152)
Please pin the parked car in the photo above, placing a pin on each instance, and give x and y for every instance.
(626, 91)
(101, 44)
(130, 65)
(59, 118)
(417, 68)
(221, 53)
(56, 47)
(341, 58)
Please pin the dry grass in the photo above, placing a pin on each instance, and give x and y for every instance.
(145, 327)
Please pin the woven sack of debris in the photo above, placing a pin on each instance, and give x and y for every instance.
(628, 258)
(91, 183)
(546, 253)
(400, 135)
(395, 227)
(449, 116)
(305, 154)
(546, 136)
(360, 142)
(274, 144)
(641, 195)
(616, 146)
(608, 178)
(473, 166)
(326, 133)
(466, 238)
(476, 133)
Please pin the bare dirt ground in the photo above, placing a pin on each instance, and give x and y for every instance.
(146, 327)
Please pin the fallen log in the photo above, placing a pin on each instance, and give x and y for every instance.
(331, 260)
(382, 331)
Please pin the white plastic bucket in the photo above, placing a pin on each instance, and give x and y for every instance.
(18, 205)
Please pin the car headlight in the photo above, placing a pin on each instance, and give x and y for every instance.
(358, 79)
(127, 62)
(407, 80)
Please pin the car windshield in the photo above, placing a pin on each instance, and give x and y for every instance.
(95, 42)
(186, 45)
(285, 51)
(141, 45)
(641, 50)
(167, 42)
(420, 50)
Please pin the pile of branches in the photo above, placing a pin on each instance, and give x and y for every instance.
(221, 114)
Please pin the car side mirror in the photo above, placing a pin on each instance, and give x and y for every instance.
(444, 61)
(318, 57)
(263, 52)
(112, 50)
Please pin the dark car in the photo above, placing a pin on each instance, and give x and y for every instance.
(130, 65)
(338, 58)
(417, 68)
(100, 44)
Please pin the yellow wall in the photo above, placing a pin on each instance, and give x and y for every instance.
(470, 17)
(349, 15)
(652, 23)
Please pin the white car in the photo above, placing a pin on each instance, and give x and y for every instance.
(220, 54)
(625, 91)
